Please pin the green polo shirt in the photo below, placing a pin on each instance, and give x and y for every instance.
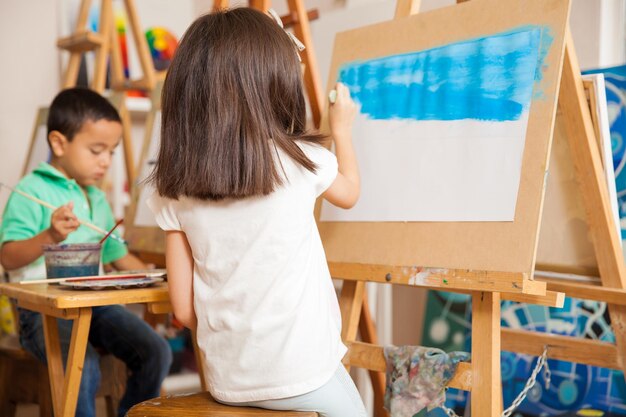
(23, 218)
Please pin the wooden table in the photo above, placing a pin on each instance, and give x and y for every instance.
(52, 301)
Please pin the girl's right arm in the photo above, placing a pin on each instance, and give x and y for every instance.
(179, 265)
(344, 191)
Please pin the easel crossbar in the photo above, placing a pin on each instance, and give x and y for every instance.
(446, 279)
(372, 357)
(565, 348)
(593, 292)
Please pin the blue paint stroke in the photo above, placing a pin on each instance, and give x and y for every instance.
(488, 78)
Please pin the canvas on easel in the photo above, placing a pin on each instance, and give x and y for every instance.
(497, 248)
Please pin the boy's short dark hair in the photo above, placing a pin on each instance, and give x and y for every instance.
(72, 107)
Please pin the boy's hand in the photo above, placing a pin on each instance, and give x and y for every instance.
(63, 222)
(341, 114)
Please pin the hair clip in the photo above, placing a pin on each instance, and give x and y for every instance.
(299, 45)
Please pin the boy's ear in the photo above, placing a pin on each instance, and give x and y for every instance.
(58, 143)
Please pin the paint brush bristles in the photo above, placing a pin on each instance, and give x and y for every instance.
(51, 207)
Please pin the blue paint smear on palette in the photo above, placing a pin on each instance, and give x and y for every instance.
(489, 78)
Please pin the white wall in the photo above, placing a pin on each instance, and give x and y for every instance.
(29, 78)
(598, 32)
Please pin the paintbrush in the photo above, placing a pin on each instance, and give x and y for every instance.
(95, 278)
(111, 231)
(51, 207)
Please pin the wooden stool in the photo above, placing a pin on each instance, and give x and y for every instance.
(25, 380)
(202, 405)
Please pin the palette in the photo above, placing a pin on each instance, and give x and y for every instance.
(110, 284)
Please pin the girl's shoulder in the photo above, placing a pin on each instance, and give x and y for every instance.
(317, 153)
(164, 210)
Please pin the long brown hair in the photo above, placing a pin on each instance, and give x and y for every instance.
(232, 94)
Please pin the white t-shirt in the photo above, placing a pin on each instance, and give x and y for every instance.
(269, 324)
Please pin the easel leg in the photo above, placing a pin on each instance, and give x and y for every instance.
(350, 303)
(368, 335)
(312, 79)
(102, 54)
(486, 377)
(73, 65)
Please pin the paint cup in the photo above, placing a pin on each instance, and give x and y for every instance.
(72, 259)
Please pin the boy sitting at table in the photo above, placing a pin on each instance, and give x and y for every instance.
(83, 131)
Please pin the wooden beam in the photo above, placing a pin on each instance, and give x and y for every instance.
(486, 377)
(312, 79)
(372, 357)
(80, 42)
(587, 291)
(367, 329)
(565, 348)
(143, 51)
(65, 314)
(439, 278)
(406, 8)
(102, 53)
(292, 18)
(73, 65)
(350, 303)
(592, 182)
(159, 308)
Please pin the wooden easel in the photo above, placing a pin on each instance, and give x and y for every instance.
(575, 117)
(486, 287)
(105, 45)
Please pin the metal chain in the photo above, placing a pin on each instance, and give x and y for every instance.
(543, 360)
